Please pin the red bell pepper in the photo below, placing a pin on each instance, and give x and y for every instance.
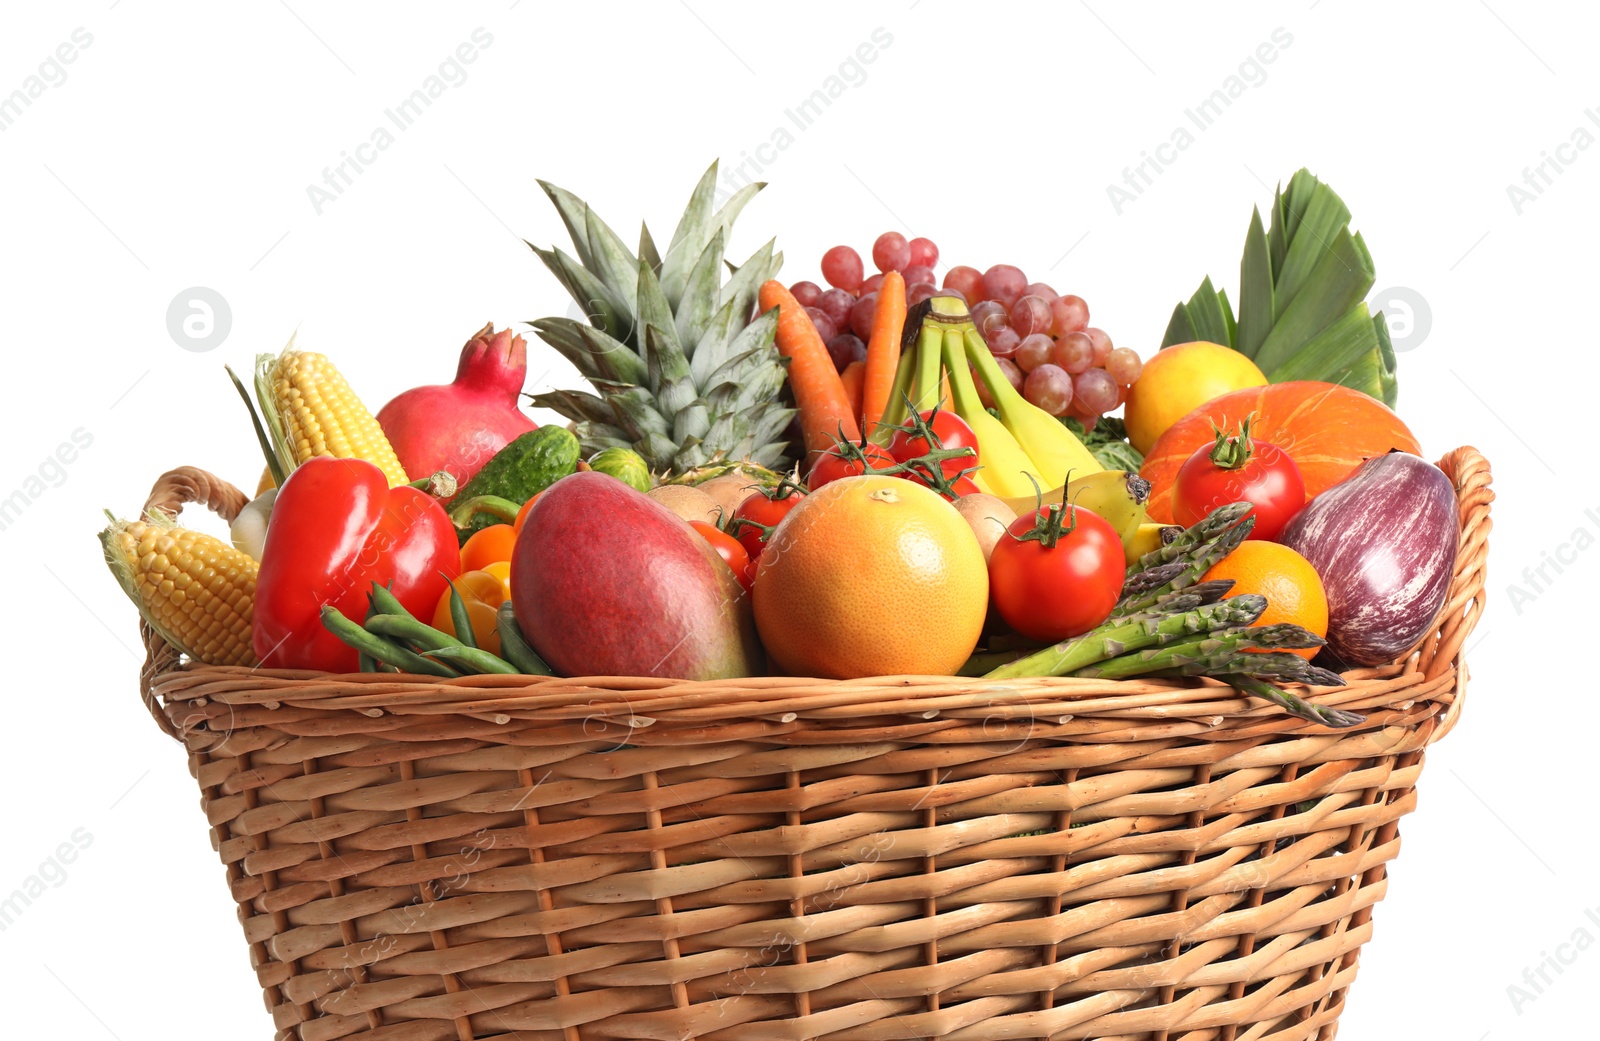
(336, 528)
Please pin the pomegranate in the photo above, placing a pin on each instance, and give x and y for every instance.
(459, 426)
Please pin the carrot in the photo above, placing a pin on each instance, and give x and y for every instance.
(883, 349)
(853, 377)
(825, 413)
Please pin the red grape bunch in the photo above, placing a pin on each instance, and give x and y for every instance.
(1041, 339)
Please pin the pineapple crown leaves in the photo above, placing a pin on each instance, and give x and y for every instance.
(679, 366)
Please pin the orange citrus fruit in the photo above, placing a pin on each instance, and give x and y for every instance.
(1293, 590)
(1178, 380)
(871, 576)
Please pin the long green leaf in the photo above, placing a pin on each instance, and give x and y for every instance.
(575, 215)
(1277, 235)
(1386, 361)
(652, 309)
(574, 404)
(692, 422)
(612, 261)
(612, 359)
(600, 306)
(753, 342)
(1364, 374)
(1205, 311)
(701, 292)
(1341, 278)
(1297, 200)
(1333, 350)
(1312, 234)
(1256, 310)
(669, 378)
(689, 238)
(592, 351)
(647, 248)
(635, 411)
(1180, 329)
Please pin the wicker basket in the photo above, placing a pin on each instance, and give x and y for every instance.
(789, 859)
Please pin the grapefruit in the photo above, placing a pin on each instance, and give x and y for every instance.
(871, 576)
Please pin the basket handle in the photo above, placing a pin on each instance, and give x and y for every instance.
(189, 484)
(172, 490)
(1469, 471)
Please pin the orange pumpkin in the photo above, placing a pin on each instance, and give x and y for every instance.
(1328, 430)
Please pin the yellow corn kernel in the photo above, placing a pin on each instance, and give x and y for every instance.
(197, 591)
(321, 415)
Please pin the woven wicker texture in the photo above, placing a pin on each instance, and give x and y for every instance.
(791, 859)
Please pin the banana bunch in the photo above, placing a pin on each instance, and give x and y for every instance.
(1022, 452)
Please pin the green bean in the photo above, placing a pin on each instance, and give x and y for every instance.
(476, 659)
(514, 647)
(384, 602)
(425, 637)
(365, 661)
(460, 619)
(381, 649)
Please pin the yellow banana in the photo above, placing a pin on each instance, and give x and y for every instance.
(1147, 539)
(1117, 496)
(1005, 465)
(1044, 437)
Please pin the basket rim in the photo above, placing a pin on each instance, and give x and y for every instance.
(1425, 682)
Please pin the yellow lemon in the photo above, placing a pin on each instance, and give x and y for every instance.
(1179, 380)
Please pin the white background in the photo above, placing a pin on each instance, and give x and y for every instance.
(178, 151)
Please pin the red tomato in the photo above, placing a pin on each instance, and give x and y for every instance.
(729, 549)
(949, 429)
(759, 513)
(1050, 591)
(963, 486)
(1239, 468)
(834, 464)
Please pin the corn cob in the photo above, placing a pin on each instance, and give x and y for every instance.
(311, 410)
(197, 591)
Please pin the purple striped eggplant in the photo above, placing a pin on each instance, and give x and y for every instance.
(1384, 541)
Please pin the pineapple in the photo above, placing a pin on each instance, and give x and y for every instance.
(679, 371)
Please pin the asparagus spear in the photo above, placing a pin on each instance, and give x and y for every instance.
(1200, 560)
(1219, 650)
(1122, 635)
(1192, 538)
(1141, 582)
(1294, 704)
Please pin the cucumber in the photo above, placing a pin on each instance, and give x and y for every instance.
(519, 471)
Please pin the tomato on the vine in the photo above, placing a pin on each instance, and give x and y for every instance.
(728, 548)
(847, 460)
(1240, 468)
(1056, 573)
(957, 486)
(949, 430)
(755, 517)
